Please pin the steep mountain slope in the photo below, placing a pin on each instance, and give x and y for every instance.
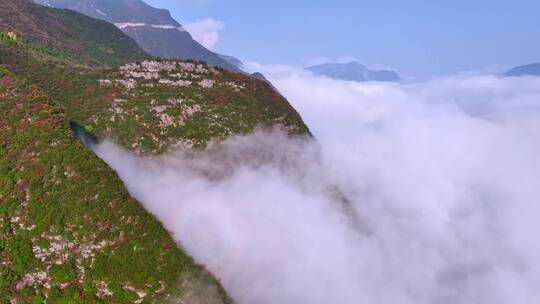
(172, 42)
(67, 34)
(116, 10)
(153, 29)
(353, 71)
(525, 70)
(70, 233)
(156, 105)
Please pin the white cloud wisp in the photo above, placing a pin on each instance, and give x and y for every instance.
(206, 31)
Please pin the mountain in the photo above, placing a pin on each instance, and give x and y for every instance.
(238, 63)
(232, 60)
(68, 34)
(525, 70)
(153, 29)
(69, 230)
(153, 106)
(353, 71)
(114, 11)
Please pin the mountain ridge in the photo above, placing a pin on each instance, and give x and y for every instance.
(70, 231)
(153, 29)
(69, 34)
(132, 11)
(353, 71)
(532, 69)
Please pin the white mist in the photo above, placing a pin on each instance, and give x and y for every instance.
(419, 193)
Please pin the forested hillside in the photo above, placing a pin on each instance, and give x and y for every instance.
(67, 34)
(70, 231)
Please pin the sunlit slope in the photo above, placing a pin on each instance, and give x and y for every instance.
(67, 34)
(70, 233)
(157, 105)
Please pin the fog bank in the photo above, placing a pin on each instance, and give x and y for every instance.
(412, 193)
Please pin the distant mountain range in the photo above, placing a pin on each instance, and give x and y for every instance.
(353, 71)
(532, 69)
(153, 29)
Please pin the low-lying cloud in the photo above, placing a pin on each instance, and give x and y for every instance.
(412, 193)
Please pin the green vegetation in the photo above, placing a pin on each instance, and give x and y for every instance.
(66, 34)
(175, 107)
(4, 71)
(70, 233)
(9, 37)
(156, 114)
(156, 105)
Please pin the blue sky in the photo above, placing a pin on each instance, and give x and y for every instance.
(418, 38)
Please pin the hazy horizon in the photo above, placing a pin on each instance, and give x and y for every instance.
(416, 38)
